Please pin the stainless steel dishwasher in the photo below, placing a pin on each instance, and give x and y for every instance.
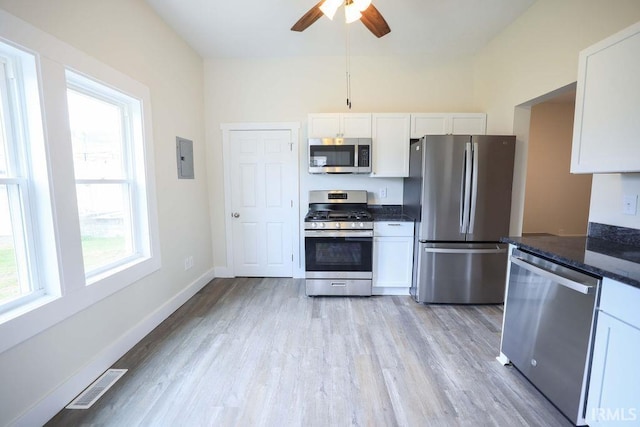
(548, 324)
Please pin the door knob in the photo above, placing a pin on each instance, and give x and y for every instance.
(235, 215)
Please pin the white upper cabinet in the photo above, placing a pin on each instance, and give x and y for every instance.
(606, 133)
(428, 124)
(448, 123)
(468, 123)
(336, 125)
(390, 149)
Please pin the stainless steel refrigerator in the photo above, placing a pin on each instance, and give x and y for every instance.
(459, 191)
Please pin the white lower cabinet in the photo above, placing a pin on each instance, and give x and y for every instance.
(614, 387)
(392, 258)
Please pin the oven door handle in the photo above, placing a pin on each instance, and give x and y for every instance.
(323, 233)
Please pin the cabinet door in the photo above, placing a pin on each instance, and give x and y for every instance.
(606, 125)
(393, 229)
(324, 125)
(392, 261)
(468, 124)
(429, 124)
(332, 125)
(448, 123)
(614, 390)
(391, 145)
(355, 125)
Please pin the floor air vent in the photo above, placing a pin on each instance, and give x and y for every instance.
(97, 389)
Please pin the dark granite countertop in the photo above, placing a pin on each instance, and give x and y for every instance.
(389, 213)
(596, 255)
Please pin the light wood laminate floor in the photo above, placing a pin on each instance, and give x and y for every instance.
(252, 351)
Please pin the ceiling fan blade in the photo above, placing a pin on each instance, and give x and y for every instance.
(373, 20)
(308, 18)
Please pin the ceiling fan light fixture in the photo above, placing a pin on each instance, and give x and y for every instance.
(351, 12)
(330, 7)
(362, 5)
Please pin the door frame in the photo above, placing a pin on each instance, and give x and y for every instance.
(294, 128)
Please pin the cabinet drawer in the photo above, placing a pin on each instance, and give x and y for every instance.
(393, 228)
(621, 301)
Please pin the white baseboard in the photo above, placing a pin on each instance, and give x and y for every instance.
(223, 271)
(389, 291)
(48, 407)
(504, 360)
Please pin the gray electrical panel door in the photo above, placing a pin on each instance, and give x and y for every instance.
(184, 153)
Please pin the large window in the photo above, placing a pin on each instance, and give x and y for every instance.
(18, 273)
(105, 132)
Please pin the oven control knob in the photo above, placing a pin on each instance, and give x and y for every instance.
(337, 225)
(353, 225)
(362, 225)
(314, 225)
(322, 225)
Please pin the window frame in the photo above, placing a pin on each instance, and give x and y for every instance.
(14, 66)
(130, 114)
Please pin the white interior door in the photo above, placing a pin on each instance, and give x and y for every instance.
(262, 191)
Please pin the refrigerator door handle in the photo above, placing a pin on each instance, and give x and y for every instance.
(474, 188)
(496, 250)
(465, 189)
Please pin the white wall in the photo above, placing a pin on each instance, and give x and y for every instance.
(606, 199)
(287, 89)
(128, 36)
(536, 54)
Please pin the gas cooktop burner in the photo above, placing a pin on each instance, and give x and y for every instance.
(338, 216)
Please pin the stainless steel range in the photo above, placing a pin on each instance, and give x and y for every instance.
(338, 241)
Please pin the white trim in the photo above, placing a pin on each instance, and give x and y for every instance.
(223, 272)
(46, 408)
(504, 360)
(389, 290)
(227, 128)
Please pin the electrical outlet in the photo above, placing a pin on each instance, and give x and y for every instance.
(629, 204)
(383, 193)
(188, 262)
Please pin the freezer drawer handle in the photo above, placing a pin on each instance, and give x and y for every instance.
(339, 284)
(571, 284)
(496, 250)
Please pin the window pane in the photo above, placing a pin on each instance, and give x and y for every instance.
(104, 224)
(97, 137)
(10, 285)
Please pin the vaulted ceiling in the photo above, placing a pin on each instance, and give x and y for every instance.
(261, 28)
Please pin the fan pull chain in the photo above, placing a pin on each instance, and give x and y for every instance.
(348, 60)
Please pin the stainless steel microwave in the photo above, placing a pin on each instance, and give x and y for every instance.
(340, 155)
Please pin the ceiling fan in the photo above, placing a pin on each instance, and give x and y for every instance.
(353, 9)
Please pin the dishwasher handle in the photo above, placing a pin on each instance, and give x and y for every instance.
(571, 284)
